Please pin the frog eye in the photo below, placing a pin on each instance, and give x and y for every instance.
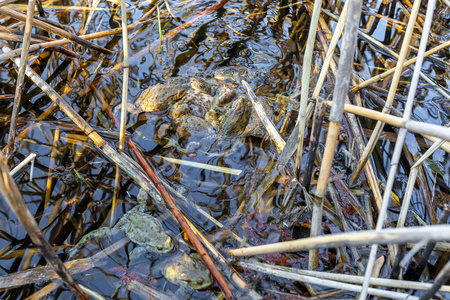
(200, 281)
(159, 247)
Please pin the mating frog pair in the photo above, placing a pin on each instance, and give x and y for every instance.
(202, 105)
(184, 270)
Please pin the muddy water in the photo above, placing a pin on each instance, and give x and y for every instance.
(268, 37)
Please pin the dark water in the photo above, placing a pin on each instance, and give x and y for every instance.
(268, 37)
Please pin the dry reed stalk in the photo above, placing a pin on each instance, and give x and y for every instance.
(36, 47)
(20, 77)
(6, 2)
(411, 181)
(391, 71)
(53, 29)
(43, 292)
(12, 196)
(126, 70)
(429, 131)
(330, 51)
(289, 273)
(319, 113)
(392, 91)
(355, 238)
(305, 83)
(116, 194)
(337, 109)
(51, 167)
(128, 166)
(46, 273)
(392, 283)
(373, 183)
(441, 279)
(402, 132)
(17, 37)
(268, 124)
(17, 168)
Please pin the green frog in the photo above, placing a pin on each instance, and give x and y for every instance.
(141, 228)
(187, 271)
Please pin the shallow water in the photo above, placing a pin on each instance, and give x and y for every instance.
(265, 36)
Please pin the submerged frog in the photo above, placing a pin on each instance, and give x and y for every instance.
(188, 271)
(141, 228)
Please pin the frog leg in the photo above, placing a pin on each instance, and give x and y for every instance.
(99, 233)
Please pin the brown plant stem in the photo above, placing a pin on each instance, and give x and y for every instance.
(171, 205)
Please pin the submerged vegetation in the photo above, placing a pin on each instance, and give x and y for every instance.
(225, 149)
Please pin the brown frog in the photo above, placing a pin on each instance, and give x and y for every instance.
(207, 108)
(162, 96)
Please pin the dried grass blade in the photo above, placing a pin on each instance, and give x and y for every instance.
(203, 166)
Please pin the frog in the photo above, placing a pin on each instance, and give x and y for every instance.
(141, 228)
(233, 73)
(207, 106)
(188, 271)
(162, 96)
(237, 73)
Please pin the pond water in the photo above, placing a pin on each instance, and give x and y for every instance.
(75, 189)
